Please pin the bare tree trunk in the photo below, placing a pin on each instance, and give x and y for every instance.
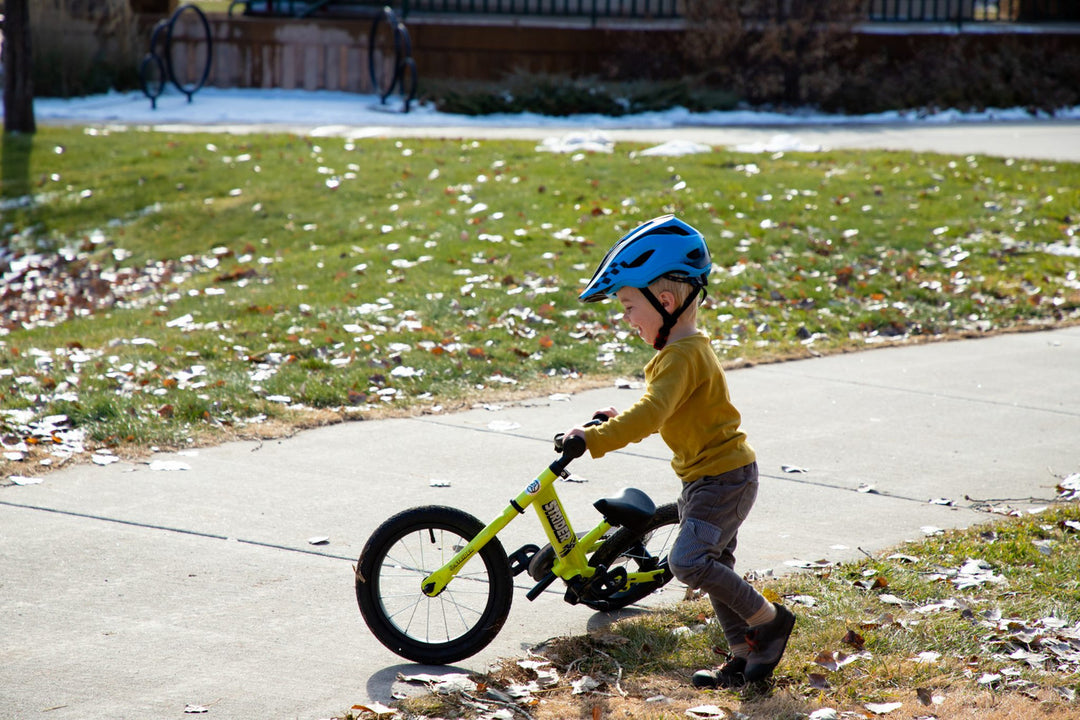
(18, 86)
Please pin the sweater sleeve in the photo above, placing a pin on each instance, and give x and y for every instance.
(665, 388)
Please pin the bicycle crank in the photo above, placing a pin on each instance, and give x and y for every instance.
(593, 591)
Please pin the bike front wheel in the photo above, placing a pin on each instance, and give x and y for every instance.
(638, 550)
(463, 618)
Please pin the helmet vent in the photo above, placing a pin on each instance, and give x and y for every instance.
(640, 259)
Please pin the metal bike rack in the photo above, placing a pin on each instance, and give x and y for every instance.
(162, 37)
(403, 75)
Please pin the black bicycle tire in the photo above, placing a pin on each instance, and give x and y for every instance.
(378, 618)
(386, 15)
(622, 542)
(209, 50)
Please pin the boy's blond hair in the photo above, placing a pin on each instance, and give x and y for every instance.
(679, 289)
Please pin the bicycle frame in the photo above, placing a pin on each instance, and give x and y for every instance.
(571, 552)
(435, 584)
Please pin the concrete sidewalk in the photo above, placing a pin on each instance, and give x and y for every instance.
(131, 593)
(1055, 140)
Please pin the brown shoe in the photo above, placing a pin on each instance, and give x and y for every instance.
(767, 643)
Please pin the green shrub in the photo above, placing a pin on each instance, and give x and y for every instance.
(965, 72)
(560, 95)
(83, 48)
(812, 54)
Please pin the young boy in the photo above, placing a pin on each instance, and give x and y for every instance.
(657, 272)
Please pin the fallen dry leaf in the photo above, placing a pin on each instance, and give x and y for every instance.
(927, 697)
(854, 639)
(584, 684)
(168, 465)
(883, 708)
(376, 709)
(443, 684)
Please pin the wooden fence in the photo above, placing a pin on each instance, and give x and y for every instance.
(332, 54)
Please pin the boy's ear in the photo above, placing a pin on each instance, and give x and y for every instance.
(667, 299)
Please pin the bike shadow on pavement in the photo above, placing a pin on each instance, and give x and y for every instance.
(604, 620)
(387, 683)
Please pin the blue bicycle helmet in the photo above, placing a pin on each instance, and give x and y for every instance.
(664, 247)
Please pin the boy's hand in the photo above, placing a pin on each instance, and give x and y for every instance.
(571, 443)
(575, 432)
(578, 431)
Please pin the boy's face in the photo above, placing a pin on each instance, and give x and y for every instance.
(640, 314)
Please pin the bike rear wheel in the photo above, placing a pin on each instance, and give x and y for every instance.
(463, 618)
(638, 550)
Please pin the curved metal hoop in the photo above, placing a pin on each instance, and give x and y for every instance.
(166, 69)
(376, 61)
(152, 59)
(409, 81)
(191, 89)
(404, 76)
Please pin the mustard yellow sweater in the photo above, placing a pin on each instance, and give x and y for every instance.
(686, 399)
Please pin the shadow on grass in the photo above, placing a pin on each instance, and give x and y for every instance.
(15, 161)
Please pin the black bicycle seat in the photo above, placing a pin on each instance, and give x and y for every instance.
(630, 507)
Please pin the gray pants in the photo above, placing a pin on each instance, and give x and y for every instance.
(711, 510)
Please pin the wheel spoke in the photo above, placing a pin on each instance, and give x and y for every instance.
(441, 619)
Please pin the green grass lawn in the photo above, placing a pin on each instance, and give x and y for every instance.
(164, 289)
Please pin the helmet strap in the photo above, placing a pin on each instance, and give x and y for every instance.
(669, 319)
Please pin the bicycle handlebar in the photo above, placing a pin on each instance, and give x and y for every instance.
(575, 447)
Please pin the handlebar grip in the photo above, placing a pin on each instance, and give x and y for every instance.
(577, 445)
(572, 448)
